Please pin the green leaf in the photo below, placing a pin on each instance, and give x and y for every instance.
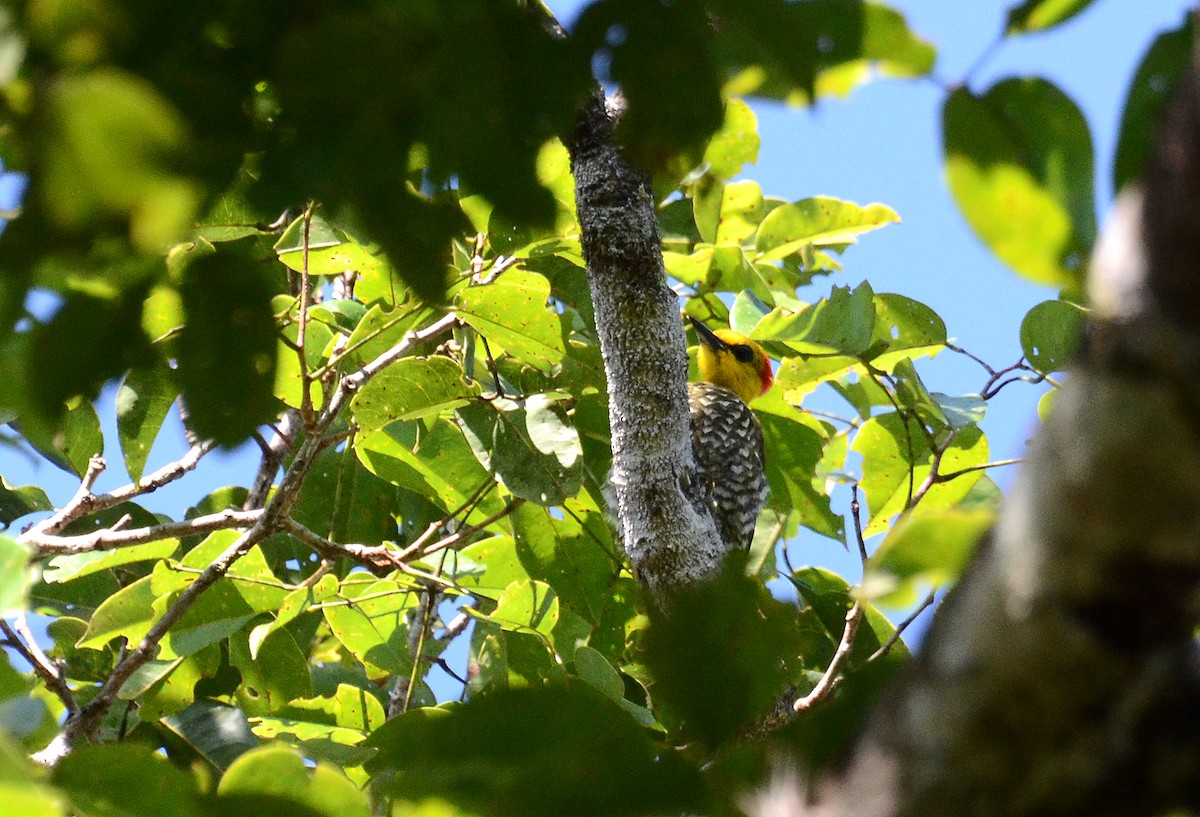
(500, 562)
(435, 462)
(111, 781)
(219, 733)
(912, 394)
(380, 329)
(567, 555)
(293, 605)
(72, 566)
(843, 323)
(526, 607)
(279, 772)
(746, 312)
(129, 612)
(962, 410)
(897, 460)
(226, 350)
(112, 147)
(341, 498)
(735, 144)
(721, 657)
(89, 340)
(798, 52)
(143, 401)
(512, 313)
(330, 251)
(276, 674)
(534, 752)
(1163, 63)
(906, 329)
(818, 222)
(531, 449)
(1039, 15)
(72, 442)
(411, 388)
(372, 626)
(1019, 163)
(22, 788)
(1050, 335)
(16, 576)
(793, 452)
(319, 741)
(928, 546)
(17, 502)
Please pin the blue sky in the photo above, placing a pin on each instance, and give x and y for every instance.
(882, 144)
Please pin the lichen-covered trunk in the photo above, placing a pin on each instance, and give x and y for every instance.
(1061, 677)
(670, 538)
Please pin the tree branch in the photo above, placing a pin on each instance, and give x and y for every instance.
(1059, 677)
(113, 538)
(267, 521)
(669, 535)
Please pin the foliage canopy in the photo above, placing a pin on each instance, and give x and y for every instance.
(353, 227)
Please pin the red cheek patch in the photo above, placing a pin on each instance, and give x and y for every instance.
(766, 376)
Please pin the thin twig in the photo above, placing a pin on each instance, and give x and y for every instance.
(50, 671)
(110, 539)
(902, 626)
(272, 456)
(270, 520)
(85, 502)
(984, 467)
(458, 536)
(953, 348)
(306, 406)
(833, 673)
(80, 504)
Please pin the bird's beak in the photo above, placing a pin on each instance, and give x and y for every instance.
(706, 336)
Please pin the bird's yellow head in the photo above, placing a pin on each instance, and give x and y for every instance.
(733, 361)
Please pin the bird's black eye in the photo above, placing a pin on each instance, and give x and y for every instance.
(744, 354)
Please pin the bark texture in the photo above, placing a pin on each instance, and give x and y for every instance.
(1061, 676)
(669, 536)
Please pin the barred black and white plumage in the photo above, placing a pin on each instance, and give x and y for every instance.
(727, 445)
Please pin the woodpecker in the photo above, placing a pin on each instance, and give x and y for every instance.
(727, 439)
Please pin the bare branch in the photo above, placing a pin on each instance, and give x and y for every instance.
(47, 669)
(902, 626)
(272, 457)
(80, 504)
(833, 673)
(112, 538)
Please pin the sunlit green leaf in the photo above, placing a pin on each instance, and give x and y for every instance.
(526, 607)
(411, 388)
(71, 566)
(433, 461)
(1019, 163)
(276, 771)
(1051, 333)
(372, 624)
(842, 323)
(145, 397)
(16, 576)
(512, 313)
(1039, 15)
(930, 546)
(821, 222)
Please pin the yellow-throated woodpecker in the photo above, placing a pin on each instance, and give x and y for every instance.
(727, 439)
